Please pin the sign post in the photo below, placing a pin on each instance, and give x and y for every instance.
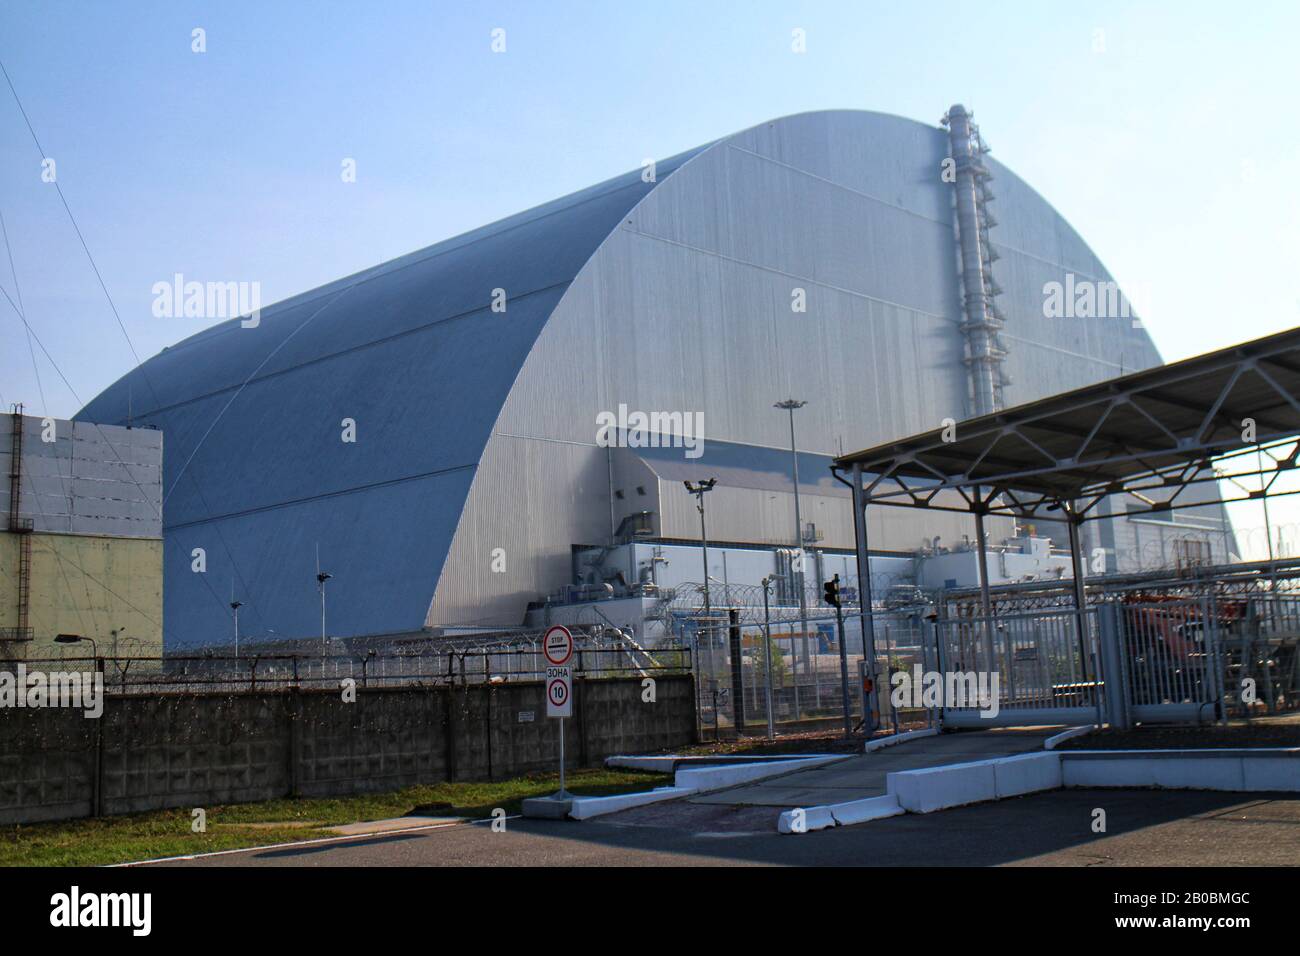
(557, 648)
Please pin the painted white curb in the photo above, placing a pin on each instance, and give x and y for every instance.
(1264, 769)
(706, 779)
(955, 785)
(1026, 773)
(839, 814)
(585, 807)
(860, 811)
(881, 742)
(695, 780)
(1051, 743)
(937, 788)
(667, 763)
(814, 818)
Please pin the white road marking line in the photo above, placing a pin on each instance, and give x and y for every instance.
(319, 840)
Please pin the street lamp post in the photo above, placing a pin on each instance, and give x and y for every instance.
(698, 490)
(790, 405)
(235, 606)
(76, 639)
(321, 578)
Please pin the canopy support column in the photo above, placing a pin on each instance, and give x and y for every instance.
(1080, 596)
(982, 549)
(864, 597)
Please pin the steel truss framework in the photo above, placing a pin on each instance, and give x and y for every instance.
(1210, 421)
(1213, 420)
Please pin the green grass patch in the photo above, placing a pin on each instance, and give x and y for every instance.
(162, 833)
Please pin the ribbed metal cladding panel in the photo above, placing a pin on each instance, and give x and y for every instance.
(532, 499)
(88, 480)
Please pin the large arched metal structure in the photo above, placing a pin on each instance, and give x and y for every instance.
(813, 256)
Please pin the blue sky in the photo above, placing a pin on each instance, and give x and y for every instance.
(1167, 139)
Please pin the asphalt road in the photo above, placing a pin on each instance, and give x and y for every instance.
(1144, 828)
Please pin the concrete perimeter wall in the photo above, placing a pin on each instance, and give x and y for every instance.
(151, 752)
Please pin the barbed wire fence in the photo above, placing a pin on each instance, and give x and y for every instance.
(463, 661)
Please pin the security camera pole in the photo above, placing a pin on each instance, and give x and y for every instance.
(698, 491)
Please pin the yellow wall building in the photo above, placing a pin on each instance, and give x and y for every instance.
(85, 505)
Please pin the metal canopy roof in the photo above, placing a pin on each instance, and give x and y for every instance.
(1150, 435)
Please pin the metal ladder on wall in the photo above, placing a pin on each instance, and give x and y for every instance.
(22, 527)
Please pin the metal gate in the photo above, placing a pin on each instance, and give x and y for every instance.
(1168, 657)
(1140, 660)
(1037, 667)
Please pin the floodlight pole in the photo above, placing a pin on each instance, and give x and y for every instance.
(790, 405)
(870, 715)
(698, 490)
(321, 578)
(235, 606)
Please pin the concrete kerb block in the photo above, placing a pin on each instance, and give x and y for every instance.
(669, 763)
(1051, 743)
(690, 781)
(1234, 770)
(1026, 773)
(546, 808)
(860, 811)
(839, 814)
(1196, 774)
(707, 779)
(881, 742)
(937, 788)
(583, 808)
(1268, 773)
(814, 818)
